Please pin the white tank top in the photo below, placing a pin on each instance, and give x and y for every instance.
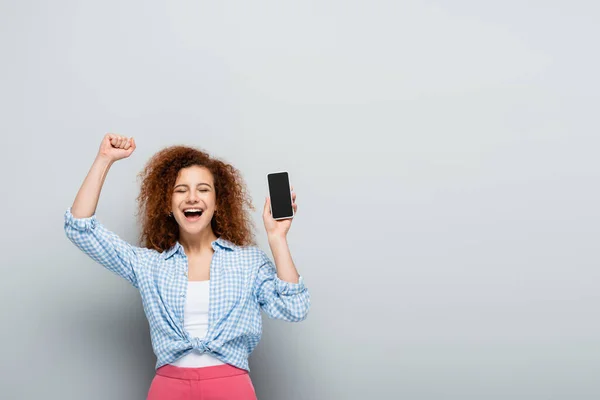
(195, 322)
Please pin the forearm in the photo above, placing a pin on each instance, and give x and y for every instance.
(286, 270)
(87, 197)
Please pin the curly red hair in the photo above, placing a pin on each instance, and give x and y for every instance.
(232, 222)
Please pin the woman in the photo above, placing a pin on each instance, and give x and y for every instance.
(202, 279)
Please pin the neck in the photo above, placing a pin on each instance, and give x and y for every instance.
(198, 243)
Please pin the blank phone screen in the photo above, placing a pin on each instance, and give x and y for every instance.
(281, 197)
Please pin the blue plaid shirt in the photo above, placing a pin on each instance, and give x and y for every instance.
(243, 281)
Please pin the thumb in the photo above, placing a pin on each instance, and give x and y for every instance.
(133, 146)
(266, 208)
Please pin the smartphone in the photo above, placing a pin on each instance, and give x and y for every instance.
(280, 193)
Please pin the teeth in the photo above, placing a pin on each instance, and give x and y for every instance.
(192, 210)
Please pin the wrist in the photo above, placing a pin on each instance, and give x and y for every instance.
(275, 239)
(104, 160)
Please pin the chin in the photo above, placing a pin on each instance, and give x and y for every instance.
(193, 230)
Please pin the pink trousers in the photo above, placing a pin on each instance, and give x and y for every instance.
(221, 382)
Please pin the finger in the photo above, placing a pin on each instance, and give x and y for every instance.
(127, 144)
(266, 210)
(293, 196)
(118, 141)
(133, 146)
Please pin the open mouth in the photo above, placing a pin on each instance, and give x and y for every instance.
(193, 214)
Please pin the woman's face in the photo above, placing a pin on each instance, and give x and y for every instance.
(194, 190)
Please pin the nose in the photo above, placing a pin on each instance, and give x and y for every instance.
(193, 197)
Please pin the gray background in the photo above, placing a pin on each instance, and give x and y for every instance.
(444, 156)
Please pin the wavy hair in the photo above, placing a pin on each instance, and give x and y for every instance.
(159, 231)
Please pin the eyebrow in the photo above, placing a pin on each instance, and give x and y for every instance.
(183, 184)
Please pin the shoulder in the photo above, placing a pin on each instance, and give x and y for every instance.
(151, 258)
(251, 255)
(250, 252)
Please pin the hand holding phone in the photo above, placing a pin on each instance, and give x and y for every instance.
(280, 194)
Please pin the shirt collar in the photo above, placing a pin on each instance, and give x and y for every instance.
(226, 244)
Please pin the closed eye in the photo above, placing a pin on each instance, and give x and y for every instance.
(183, 191)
